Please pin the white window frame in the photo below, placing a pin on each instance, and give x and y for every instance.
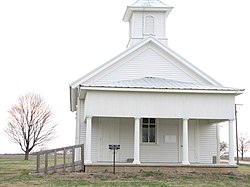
(156, 132)
(146, 23)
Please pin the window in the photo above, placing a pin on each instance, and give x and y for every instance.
(148, 130)
(149, 25)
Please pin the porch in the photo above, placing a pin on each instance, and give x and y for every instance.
(176, 142)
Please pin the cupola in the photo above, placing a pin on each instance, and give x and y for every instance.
(147, 18)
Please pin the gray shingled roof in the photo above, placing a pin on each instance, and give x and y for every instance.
(159, 83)
(149, 3)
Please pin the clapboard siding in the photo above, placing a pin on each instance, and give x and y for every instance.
(138, 24)
(162, 151)
(126, 139)
(136, 29)
(159, 105)
(208, 141)
(82, 131)
(159, 25)
(80, 126)
(95, 139)
(147, 64)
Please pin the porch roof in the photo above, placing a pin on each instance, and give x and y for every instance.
(160, 83)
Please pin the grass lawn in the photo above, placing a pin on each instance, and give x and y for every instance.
(14, 171)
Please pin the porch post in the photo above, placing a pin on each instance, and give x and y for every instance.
(137, 142)
(88, 140)
(185, 142)
(231, 142)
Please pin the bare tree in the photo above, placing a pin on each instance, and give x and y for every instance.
(223, 148)
(244, 144)
(30, 123)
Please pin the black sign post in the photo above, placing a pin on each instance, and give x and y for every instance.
(114, 147)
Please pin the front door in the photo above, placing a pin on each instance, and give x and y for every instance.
(193, 140)
(109, 134)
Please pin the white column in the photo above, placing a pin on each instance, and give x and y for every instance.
(231, 142)
(185, 142)
(87, 160)
(137, 142)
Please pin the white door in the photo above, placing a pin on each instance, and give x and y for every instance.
(193, 139)
(109, 134)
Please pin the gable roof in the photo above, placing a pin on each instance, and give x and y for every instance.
(128, 51)
(149, 40)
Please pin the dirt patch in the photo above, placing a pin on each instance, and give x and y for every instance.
(146, 176)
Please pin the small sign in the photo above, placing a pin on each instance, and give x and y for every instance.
(114, 147)
(170, 139)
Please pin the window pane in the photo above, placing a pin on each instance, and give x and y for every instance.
(145, 133)
(152, 133)
(145, 120)
(152, 120)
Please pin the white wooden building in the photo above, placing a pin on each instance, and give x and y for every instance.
(152, 102)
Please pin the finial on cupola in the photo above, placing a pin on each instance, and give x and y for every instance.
(147, 18)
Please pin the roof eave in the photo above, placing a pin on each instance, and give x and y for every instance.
(130, 9)
(166, 90)
(92, 73)
(76, 83)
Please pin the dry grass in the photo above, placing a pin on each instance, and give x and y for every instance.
(14, 171)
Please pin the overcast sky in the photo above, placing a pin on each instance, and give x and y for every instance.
(47, 44)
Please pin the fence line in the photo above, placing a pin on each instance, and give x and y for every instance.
(60, 152)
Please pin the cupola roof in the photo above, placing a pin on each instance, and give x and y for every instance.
(146, 5)
(149, 3)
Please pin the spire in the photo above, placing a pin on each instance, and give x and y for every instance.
(147, 18)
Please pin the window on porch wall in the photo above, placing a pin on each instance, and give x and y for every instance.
(148, 130)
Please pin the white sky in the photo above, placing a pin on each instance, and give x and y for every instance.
(47, 44)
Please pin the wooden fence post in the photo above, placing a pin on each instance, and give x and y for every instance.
(82, 157)
(46, 163)
(38, 162)
(64, 159)
(55, 161)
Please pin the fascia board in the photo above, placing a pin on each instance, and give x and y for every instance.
(187, 63)
(234, 92)
(131, 9)
(196, 69)
(132, 49)
(109, 63)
